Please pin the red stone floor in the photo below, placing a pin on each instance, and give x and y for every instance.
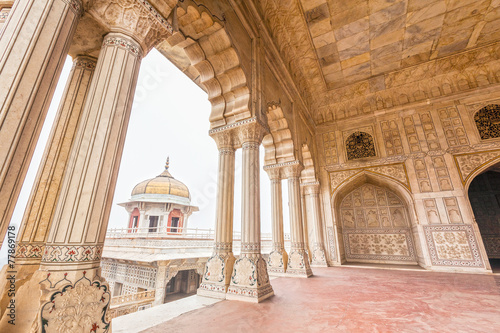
(345, 299)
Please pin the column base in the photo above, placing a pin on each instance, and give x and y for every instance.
(276, 264)
(319, 258)
(250, 280)
(298, 264)
(61, 301)
(217, 276)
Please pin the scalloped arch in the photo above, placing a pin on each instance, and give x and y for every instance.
(210, 50)
(279, 143)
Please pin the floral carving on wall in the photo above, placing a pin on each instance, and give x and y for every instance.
(375, 225)
(80, 307)
(452, 245)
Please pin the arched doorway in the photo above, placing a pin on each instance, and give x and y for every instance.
(376, 221)
(484, 197)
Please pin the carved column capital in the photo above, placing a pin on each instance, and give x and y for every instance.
(85, 62)
(274, 172)
(224, 140)
(137, 19)
(251, 132)
(123, 41)
(311, 188)
(292, 169)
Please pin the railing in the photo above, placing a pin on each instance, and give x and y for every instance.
(174, 232)
(144, 296)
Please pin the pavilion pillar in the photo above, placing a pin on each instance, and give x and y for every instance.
(298, 262)
(69, 283)
(250, 280)
(39, 212)
(278, 258)
(311, 192)
(34, 44)
(219, 266)
(5, 8)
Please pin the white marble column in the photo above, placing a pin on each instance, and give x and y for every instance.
(219, 267)
(278, 258)
(5, 8)
(298, 262)
(33, 46)
(250, 280)
(311, 192)
(39, 211)
(74, 247)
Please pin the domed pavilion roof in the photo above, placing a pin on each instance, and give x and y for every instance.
(163, 188)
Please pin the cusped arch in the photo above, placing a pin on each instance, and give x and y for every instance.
(309, 173)
(212, 56)
(279, 142)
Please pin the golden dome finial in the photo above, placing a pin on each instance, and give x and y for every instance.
(167, 165)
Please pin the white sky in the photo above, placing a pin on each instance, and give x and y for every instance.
(169, 118)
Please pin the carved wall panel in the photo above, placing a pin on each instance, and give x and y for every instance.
(392, 138)
(488, 122)
(360, 145)
(431, 211)
(484, 196)
(453, 245)
(424, 182)
(376, 226)
(330, 146)
(430, 131)
(453, 210)
(442, 174)
(411, 134)
(453, 127)
(331, 243)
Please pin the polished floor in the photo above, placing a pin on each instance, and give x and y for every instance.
(350, 299)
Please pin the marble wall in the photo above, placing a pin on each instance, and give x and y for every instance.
(427, 154)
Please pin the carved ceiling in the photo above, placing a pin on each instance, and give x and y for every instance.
(339, 50)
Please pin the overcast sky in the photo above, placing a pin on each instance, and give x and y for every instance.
(169, 118)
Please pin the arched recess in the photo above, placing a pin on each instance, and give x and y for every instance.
(395, 239)
(482, 191)
(204, 41)
(278, 144)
